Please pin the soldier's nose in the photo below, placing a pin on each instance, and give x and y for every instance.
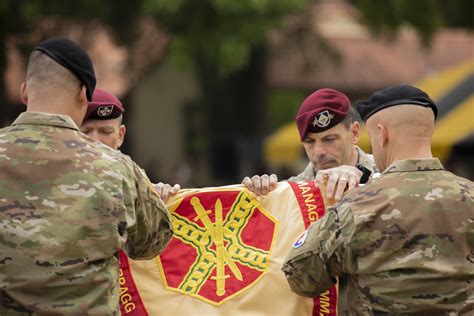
(319, 151)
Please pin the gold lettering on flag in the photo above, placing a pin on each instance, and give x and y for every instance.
(129, 298)
(312, 207)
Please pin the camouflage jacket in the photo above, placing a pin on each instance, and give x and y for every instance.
(364, 159)
(68, 204)
(401, 244)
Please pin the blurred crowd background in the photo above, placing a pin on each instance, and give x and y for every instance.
(211, 87)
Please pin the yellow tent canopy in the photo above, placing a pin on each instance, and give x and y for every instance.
(453, 92)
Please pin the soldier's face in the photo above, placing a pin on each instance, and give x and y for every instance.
(108, 132)
(333, 147)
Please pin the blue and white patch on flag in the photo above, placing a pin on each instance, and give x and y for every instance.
(300, 241)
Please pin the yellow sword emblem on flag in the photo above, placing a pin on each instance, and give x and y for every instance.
(220, 238)
(216, 232)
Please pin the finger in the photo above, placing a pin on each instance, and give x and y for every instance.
(257, 183)
(352, 183)
(165, 192)
(265, 184)
(273, 181)
(175, 189)
(331, 186)
(354, 173)
(158, 187)
(249, 184)
(320, 177)
(341, 187)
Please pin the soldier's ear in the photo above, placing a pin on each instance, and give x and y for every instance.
(355, 131)
(82, 97)
(24, 93)
(122, 131)
(382, 135)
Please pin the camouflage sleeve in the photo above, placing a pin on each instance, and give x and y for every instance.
(319, 255)
(148, 221)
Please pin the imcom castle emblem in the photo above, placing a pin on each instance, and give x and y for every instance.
(221, 246)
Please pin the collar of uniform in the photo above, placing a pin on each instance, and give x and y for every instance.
(309, 173)
(39, 118)
(407, 165)
(366, 160)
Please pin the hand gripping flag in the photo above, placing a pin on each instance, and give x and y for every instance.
(226, 255)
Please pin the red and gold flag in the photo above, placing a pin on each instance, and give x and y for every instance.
(226, 255)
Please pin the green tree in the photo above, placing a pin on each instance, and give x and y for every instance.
(225, 43)
(22, 19)
(426, 16)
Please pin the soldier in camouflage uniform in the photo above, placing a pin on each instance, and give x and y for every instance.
(403, 243)
(103, 122)
(329, 133)
(67, 203)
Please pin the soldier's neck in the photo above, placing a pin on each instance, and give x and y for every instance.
(54, 108)
(410, 150)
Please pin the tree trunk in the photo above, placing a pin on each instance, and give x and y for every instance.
(235, 121)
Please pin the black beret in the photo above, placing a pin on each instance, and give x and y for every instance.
(396, 95)
(72, 57)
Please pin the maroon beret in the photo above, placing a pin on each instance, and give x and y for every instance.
(104, 106)
(322, 110)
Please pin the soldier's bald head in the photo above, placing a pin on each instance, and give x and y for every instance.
(406, 120)
(400, 123)
(400, 132)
